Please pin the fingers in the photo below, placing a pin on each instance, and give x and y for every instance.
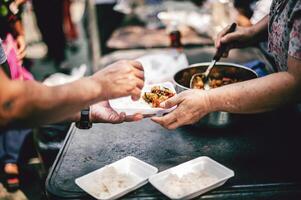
(122, 117)
(173, 101)
(21, 55)
(149, 115)
(220, 35)
(139, 74)
(135, 117)
(21, 45)
(230, 38)
(174, 125)
(117, 119)
(136, 64)
(135, 94)
(139, 83)
(136, 91)
(139, 79)
(167, 120)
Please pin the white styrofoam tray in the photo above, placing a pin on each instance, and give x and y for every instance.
(202, 163)
(138, 170)
(130, 107)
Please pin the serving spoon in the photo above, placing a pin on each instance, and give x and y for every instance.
(218, 54)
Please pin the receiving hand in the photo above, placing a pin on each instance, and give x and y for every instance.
(21, 47)
(122, 78)
(192, 105)
(240, 38)
(103, 113)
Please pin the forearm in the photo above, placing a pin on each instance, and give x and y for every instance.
(33, 103)
(260, 30)
(257, 95)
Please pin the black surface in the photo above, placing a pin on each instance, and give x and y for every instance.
(263, 150)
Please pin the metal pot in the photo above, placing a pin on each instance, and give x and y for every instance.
(214, 119)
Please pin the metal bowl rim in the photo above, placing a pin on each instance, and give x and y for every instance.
(208, 63)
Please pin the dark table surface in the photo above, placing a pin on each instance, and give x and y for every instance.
(262, 149)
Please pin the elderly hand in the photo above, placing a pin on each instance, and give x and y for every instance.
(241, 37)
(192, 105)
(122, 78)
(103, 113)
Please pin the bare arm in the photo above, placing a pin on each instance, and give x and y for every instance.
(33, 103)
(262, 94)
(257, 95)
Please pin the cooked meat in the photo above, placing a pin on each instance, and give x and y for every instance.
(157, 95)
(198, 83)
(216, 80)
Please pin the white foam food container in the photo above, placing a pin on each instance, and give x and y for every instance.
(130, 107)
(137, 170)
(201, 164)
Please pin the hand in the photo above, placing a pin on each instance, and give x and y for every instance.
(20, 2)
(103, 113)
(240, 38)
(192, 105)
(21, 47)
(123, 78)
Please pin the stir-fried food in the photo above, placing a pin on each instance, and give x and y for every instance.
(157, 95)
(198, 82)
(214, 81)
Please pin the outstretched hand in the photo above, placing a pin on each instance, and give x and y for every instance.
(103, 113)
(192, 105)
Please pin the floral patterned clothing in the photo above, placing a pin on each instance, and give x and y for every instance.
(285, 31)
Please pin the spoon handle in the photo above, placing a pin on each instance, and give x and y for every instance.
(222, 48)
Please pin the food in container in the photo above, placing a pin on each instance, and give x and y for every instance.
(191, 179)
(148, 104)
(117, 179)
(221, 70)
(216, 80)
(157, 95)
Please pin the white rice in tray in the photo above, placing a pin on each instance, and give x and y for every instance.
(191, 182)
(109, 183)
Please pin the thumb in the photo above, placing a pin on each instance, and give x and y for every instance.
(169, 103)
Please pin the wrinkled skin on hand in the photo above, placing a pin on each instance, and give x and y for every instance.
(192, 105)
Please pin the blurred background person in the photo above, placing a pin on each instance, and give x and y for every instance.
(11, 140)
(70, 29)
(50, 19)
(251, 11)
(108, 20)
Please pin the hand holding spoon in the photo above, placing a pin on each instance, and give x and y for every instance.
(204, 76)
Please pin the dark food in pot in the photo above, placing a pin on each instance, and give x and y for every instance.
(215, 80)
(157, 95)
